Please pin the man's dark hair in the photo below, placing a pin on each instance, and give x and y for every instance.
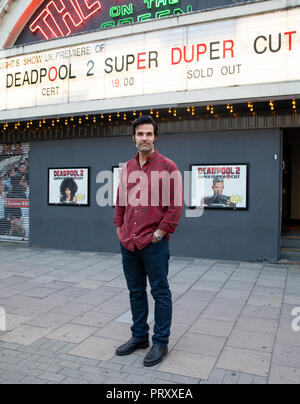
(142, 120)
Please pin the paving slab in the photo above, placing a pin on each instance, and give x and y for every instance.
(52, 321)
(96, 348)
(67, 312)
(245, 361)
(201, 344)
(24, 335)
(284, 375)
(72, 333)
(212, 327)
(251, 340)
(287, 355)
(188, 364)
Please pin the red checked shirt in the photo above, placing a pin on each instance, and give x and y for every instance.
(145, 204)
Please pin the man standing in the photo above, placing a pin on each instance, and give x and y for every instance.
(144, 225)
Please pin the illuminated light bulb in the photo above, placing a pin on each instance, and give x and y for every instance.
(102, 116)
(151, 112)
(80, 121)
(170, 110)
(125, 117)
(118, 115)
(208, 107)
(72, 118)
(134, 113)
(57, 120)
(188, 109)
(228, 106)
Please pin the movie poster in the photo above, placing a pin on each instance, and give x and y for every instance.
(220, 186)
(68, 186)
(14, 191)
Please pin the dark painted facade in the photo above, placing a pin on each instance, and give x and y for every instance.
(221, 234)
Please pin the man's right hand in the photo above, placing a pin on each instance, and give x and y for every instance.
(118, 231)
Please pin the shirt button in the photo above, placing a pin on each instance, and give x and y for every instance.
(134, 235)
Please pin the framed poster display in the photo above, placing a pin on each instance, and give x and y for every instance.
(220, 186)
(69, 186)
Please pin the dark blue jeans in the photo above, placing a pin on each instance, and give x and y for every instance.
(151, 261)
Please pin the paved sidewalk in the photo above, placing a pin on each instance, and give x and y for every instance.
(68, 311)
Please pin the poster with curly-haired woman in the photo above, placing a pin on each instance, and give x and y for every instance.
(69, 186)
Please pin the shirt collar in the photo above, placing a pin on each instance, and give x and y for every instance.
(149, 158)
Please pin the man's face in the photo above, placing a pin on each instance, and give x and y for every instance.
(145, 138)
(218, 188)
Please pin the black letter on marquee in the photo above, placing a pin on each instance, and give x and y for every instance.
(11, 78)
(153, 58)
(255, 45)
(108, 65)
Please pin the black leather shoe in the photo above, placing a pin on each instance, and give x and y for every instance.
(132, 345)
(156, 355)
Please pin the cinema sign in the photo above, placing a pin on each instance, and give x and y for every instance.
(238, 52)
(48, 19)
